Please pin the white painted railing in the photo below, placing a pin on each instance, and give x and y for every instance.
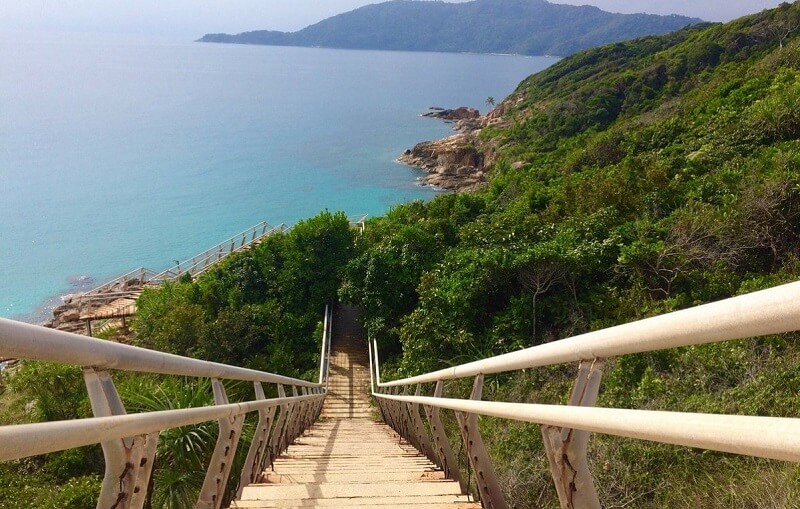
(196, 265)
(120, 285)
(358, 222)
(325, 354)
(566, 429)
(201, 262)
(129, 441)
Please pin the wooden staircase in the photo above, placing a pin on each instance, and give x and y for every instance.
(348, 376)
(347, 459)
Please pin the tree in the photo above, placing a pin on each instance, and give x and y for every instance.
(490, 101)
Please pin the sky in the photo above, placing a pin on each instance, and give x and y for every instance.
(190, 19)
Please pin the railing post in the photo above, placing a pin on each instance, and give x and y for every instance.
(566, 448)
(258, 453)
(219, 468)
(129, 461)
(401, 415)
(278, 429)
(317, 403)
(306, 418)
(323, 360)
(376, 389)
(288, 425)
(419, 429)
(371, 368)
(408, 427)
(446, 458)
(391, 409)
(488, 485)
(297, 418)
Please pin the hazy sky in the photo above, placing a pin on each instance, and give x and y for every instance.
(193, 18)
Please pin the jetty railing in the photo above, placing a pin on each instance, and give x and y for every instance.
(358, 222)
(201, 262)
(566, 429)
(134, 280)
(129, 441)
(121, 285)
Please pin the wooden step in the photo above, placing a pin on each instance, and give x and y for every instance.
(353, 463)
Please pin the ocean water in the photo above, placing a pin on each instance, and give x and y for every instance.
(116, 154)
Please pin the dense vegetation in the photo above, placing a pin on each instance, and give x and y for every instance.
(527, 27)
(261, 308)
(631, 180)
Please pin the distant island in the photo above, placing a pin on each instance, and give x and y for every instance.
(525, 27)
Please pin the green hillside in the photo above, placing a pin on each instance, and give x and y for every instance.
(629, 180)
(528, 27)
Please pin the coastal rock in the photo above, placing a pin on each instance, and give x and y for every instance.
(453, 163)
(462, 113)
(458, 162)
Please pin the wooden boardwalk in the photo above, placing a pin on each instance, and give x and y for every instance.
(347, 459)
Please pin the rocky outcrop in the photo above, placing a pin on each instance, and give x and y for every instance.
(455, 163)
(462, 113)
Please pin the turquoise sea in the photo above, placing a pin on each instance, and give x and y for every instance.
(119, 153)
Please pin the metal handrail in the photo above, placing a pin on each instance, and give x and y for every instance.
(129, 441)
(770, 311)
(142, 274)
(566, 428)
(26, 341)
(777, 438)
(25, 440)
(358, 222)
(201, 262)
(325, 353)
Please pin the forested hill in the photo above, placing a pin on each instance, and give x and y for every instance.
(528, 27)
(625, 181)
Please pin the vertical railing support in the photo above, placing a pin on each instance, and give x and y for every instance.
(418, 426)
(219, 468)
(488, 485)
(371, 368)
(566, 448)
(323, 358)
(409, 423)
(446, 458)
(319, 402)
(306, 416)
(129, 461)
(391, 408)
(259, 447)
(285, 437)
(279, 429)
(376, 389)
(297, 419)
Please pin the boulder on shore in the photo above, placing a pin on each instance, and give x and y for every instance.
(452, 163)
(462, 113)
(455, 163)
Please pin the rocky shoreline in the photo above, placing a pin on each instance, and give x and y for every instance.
(456, 163)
